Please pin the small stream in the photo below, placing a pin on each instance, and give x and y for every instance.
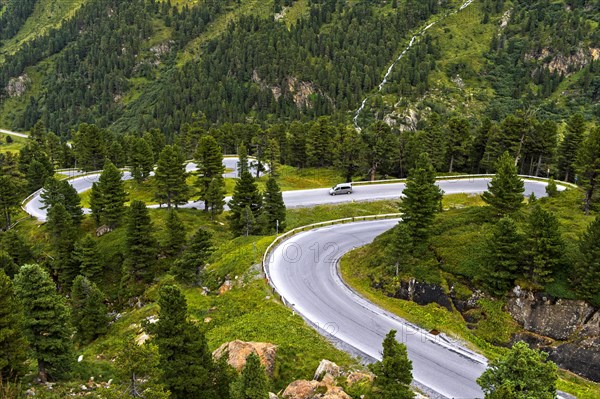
(410, 44)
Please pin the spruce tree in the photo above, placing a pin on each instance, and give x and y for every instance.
(8, 265)
(551, 188)
(140, 245)
(88, 311)
(63, 235)
(568, 148)
(13, 345)
(189, 266)
(503, 257)
(96, 203)
(13, 243)
(401, 248)
(393, 374)
(175, 241)
(587, 267)
(141, 159)
(185, 360)
(209, 158)
(422, 199)
(505, 191)
(61, 192)
(522, 374)
(242, 159)
(90, 147)
(245, 195)
(87, 256)
(588, 167)
(171, 186)
(215, 196)
(9, 200)
(545, 246)
(273, 213)
(37, 173)
(47, 322)
(252, 382)
(111, 196)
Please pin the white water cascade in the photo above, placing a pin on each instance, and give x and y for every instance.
(410, 44)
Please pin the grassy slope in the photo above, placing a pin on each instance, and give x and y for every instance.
(15, 146)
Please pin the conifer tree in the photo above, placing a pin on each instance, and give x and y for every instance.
(209, 158)
(8, 265)
(171, 186)
(401, 247)
(13, 345)
(215, 196)
(273, 213)
(551, 188)
(349, 153)
(88, 311)
(90, 147)
(9, 200)
(588, 167)
(422, 199)
(393, 374)
(567, 150)
(242, 159)
(189, 266)
(140, 245)
(141, 159)
(37, 173)
(47, 323)
(503, 257)
(458, 141)
(63, 235)
(523, 373)
(545, 246)
(87, 256)
(96, 203)
(110, 196)
(505, 191)
(587, 267)
(252, 382)
(245, 195)
(13, 243)
(185, 360)
(61, 192)
(175, 235)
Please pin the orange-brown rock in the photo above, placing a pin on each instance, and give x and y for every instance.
(238, 351)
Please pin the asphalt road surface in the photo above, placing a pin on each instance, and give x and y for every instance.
(22, 135)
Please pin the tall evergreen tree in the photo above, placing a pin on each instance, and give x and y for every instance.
(87, 256)
(63, 235)
(189, 266)
(545, 246)
(349, 153)
(522, 374)
(140, 245)
(88, 311)
(46, 322)
(587, 267)
(393, 374)
(14, 244)
(37, 173)
(8, 265)
(551, 188)
(215, 196)
(588, 167)
(171, 186)
(61, 192)
(458, 142)
(185, 360)
(422, 199)
(401, 247)
(505, 191)
(253, 382)
(567, 150)
(9, 200)
(96, 203)
(110, 196)
(13, 345)
(273, 213)
(380, 148)
(209, 158)
(245, 194)
(141, 159)
(175, 235)
(90, 147)
(242, 159)
(503, 257)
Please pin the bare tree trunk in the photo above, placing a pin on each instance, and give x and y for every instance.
(539, 166)
(451, 163)
(42, 373)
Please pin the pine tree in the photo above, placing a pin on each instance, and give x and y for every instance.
(545, 246)
(422, 199)
(171, 186)
(96, 203)
(140, 245)
(47, 322)
(63, 235)
(139, 365)
(110, 196)
(588, 167)
(393, 374)
(87, 256)
(523, 373)
(273, 213)
(141, 159)
(587, 267)
(185, 360)
(37, 173)
(551, 188)
(90, 147)
(458, 141)
(8, 265)
(189, 266)
(242, 159)
(349, 153)
(175, 235)
(505, 191)
(209, 158)
(252, 382)
(9, 200)
(61, 192)
(503, 257)
(401, 248)
(245, 195)
(567, 150)
(13, 345)
(13, 243)
(88, 311)
(215, 196)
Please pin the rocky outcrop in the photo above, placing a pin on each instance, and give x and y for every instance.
(303, 389)
(18, 86)
(327, 367)
(238, 351)
(423, 293)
